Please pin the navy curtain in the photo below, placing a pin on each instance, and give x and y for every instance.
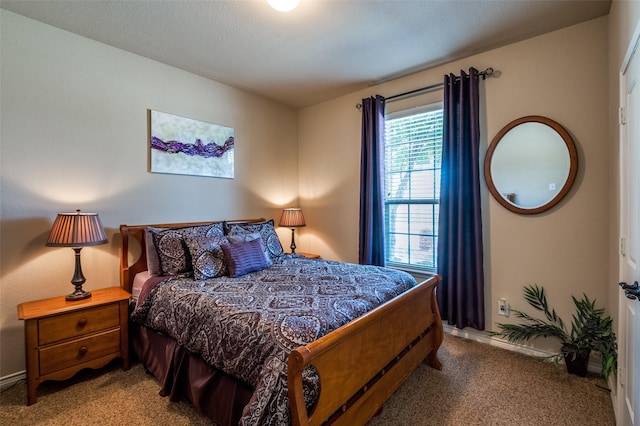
(460, 255)
(371, 249)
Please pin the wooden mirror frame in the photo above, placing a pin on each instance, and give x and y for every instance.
(573, 164)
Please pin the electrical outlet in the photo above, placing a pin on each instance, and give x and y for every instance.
(503, 307)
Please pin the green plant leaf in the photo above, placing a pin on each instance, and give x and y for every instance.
(590, 330)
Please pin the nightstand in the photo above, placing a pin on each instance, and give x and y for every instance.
(62, 338)
(310, 255)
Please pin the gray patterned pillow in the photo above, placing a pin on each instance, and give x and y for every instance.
(207, 257)
(153, 260)
(241, 238)
(174, 255)
(270, 240)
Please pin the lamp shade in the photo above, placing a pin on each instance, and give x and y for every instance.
(292, 218)
(77, 230)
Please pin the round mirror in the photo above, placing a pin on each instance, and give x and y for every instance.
(531, 164)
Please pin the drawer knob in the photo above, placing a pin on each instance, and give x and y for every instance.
(82, 322)
(83, 351)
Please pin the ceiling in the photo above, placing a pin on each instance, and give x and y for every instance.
(321, 50)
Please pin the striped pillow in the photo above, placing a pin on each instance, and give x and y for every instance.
(270, 240)
(245, 256)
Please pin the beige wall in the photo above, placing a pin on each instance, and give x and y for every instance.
(561, 75)
(74, 135)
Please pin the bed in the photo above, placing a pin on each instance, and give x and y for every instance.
(324, 366)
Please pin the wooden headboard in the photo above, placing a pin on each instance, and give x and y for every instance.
(128, 272)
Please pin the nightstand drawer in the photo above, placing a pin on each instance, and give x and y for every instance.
(72, 353)
(61, 327)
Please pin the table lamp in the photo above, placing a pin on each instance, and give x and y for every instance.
(292, 218)
(77, 230)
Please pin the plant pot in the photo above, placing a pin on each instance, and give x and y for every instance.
(577, 366)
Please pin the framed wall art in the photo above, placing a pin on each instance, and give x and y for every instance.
(184, 146)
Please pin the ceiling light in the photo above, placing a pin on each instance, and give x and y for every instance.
(283, 5)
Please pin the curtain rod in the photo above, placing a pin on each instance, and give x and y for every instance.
(486, 73)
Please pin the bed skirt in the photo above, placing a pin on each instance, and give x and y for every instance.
(182, 374)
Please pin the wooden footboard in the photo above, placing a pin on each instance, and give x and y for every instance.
(361, 364)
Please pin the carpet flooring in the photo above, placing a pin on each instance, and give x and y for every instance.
(478, 385)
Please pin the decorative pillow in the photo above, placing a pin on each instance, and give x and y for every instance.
(173, 253)
(267, 232)
(241, 238)
(244, 257)
(207, 258)
(153, 261)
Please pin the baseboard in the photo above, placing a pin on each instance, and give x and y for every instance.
(12, 379)
(483, 337)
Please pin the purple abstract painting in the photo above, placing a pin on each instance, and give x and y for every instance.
(185, 146)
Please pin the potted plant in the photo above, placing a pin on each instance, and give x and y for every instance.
(590, 331)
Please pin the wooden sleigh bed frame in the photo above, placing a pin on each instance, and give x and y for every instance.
(360, 364)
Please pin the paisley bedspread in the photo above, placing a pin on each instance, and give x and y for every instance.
(247, 326)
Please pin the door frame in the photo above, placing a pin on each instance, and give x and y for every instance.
(633, 50)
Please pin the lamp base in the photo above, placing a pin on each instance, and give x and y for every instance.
(77, 280)
(293, 241)
(79, 294)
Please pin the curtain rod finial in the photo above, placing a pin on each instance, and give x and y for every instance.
(490, 72)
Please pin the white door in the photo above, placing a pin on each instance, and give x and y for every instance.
(629, 309)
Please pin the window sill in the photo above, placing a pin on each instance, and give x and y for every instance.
(416, 272)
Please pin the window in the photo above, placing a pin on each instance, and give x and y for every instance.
(413, 152)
